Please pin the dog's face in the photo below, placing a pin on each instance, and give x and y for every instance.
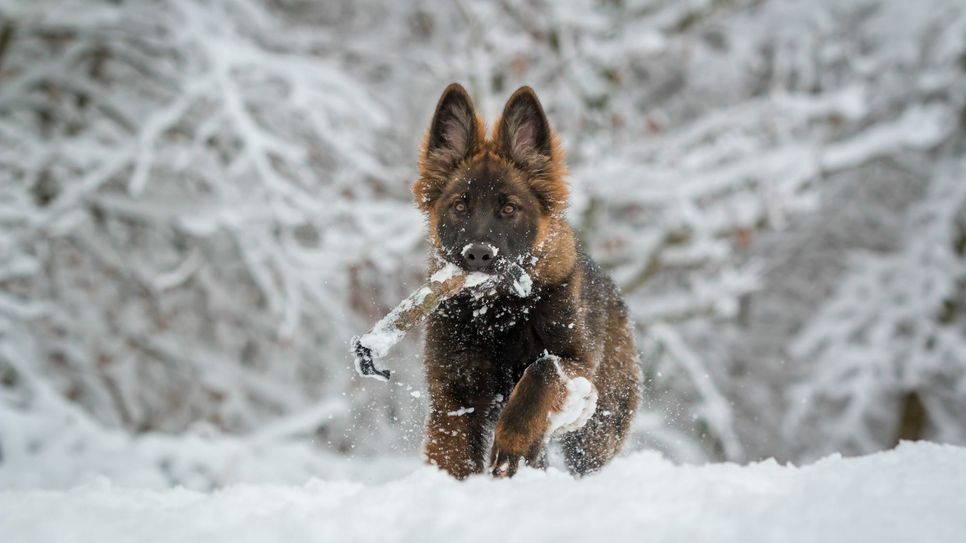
(489, 198)
(485, 212)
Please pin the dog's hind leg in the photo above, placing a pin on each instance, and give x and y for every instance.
(587, 450)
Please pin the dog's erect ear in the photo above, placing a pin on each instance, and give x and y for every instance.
(454, 133)
(524, 133)
(524, 138)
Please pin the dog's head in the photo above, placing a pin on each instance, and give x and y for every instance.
(488, 198)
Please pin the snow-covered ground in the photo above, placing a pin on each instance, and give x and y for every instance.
(912, 493)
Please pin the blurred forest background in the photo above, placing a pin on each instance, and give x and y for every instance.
(202, 201)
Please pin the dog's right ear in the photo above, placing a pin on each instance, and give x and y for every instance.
(454, 135)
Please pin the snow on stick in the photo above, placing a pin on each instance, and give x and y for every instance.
(449, 281)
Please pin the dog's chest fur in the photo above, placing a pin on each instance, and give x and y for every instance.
(512, 331)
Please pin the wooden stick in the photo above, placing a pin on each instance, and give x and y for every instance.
(443, 285)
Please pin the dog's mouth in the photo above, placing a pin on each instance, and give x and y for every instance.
(503, 275)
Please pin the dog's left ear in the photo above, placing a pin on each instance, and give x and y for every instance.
(524, 137)
(524, 134)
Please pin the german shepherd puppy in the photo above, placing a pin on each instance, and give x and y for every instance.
(560, 362)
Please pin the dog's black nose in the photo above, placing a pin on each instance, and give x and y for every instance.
(478, 256)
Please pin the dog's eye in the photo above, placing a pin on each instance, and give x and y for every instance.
(460, 207)
(509, 209)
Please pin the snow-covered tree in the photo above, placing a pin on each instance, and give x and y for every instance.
(194, 207)
(886, 355)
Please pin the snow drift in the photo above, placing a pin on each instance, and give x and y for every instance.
(913, 493)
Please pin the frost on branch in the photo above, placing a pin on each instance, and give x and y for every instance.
(180, 240)
(893, 333)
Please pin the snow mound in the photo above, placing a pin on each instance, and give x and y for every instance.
(913, 493)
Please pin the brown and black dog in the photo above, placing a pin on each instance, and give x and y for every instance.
(559, 362)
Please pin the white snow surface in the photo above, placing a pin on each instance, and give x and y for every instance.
(912, 493)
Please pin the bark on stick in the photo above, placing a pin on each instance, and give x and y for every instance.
(414, 309)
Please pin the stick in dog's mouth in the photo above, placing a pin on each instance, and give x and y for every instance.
(449, 281)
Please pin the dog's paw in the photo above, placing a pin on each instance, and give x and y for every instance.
(505, 464)
(510, 450)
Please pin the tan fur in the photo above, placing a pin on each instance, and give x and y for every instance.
(454, 438)
(547, 176)
(524, 421)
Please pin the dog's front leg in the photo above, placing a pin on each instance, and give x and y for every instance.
(461, 411)
(554, 395)
(455, 438)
